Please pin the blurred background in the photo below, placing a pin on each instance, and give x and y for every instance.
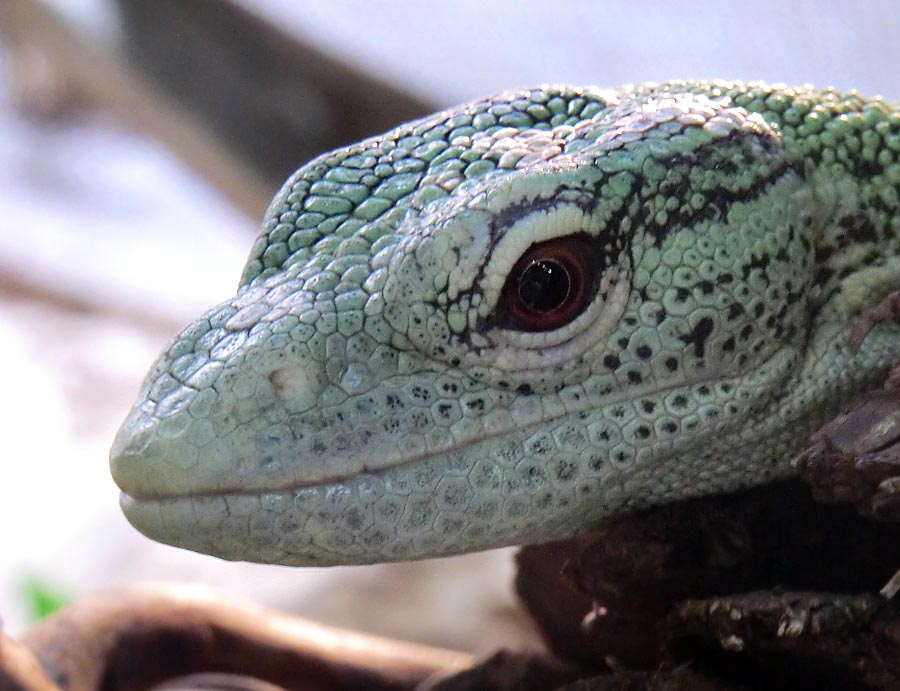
(140, 142)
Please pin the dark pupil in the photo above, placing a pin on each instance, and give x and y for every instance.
(544, 285)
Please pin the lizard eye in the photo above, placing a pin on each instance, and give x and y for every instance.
(550, 284)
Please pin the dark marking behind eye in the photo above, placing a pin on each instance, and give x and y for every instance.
(698, 335)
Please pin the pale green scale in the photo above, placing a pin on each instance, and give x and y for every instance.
(363, 399)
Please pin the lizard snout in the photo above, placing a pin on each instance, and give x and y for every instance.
(148, 458)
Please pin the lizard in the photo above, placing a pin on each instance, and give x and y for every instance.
(510, 321)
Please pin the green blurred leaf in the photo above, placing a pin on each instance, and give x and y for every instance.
(43, 598)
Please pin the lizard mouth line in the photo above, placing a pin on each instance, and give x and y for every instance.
(327, 481)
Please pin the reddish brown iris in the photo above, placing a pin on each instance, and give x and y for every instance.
(550, 285)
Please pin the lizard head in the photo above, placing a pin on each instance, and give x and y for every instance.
(497, 325)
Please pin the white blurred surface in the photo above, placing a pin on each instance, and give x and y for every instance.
(455, 50)
(101, 215)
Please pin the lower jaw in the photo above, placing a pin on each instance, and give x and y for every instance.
(270, 529)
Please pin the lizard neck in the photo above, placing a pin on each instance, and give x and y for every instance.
(848, 148)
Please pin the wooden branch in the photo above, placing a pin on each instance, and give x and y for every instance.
(29, 24)
(274, 96)
(139, 639)
(19, 670)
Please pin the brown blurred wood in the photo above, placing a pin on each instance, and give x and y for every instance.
(19, 670)
(269, 94)
(137, 640)
(509, 671)
(29, 25)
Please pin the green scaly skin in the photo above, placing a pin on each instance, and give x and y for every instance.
(365, 397)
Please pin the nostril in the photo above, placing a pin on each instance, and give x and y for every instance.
(286, 383)
(301, 384)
